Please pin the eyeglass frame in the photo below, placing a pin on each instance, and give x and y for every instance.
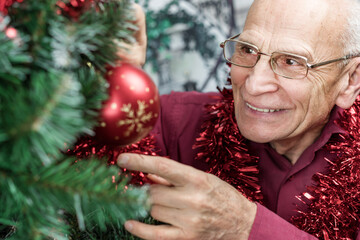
(308, 65)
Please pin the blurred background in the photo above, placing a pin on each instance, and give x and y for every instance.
(183, 41)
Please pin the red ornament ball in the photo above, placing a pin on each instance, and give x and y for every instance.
(131, 110)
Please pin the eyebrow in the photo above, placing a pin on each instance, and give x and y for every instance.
(240, 39)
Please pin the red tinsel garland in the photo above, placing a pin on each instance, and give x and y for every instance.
(87, 147)
(334, 208)
(75, 8)
(333, 212)
(5, 4)
(223, 148)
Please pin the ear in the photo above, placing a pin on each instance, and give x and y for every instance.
(351, 88)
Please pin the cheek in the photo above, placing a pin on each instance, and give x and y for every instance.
(306, 97)
(325, 88)
(299, 92)
(314, 100)
(238, 76)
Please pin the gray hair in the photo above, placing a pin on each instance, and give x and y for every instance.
(351, 37)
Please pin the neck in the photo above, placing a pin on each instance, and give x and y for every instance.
(293, 148)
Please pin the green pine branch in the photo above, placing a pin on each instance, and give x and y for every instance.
(14, 58)
(51, 87)
(89, 189)
(44, 116)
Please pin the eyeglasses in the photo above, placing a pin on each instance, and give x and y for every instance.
(285, 64)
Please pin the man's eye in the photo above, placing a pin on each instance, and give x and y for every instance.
(248, 50)
(291, 62)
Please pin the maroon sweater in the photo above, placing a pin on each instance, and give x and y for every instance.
(182, 114)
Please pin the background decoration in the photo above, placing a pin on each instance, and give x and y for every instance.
(183, 41)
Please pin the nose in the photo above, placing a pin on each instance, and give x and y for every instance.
(262, 78)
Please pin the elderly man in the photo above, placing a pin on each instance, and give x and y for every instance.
(294, 68)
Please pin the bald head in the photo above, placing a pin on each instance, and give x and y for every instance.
(330, 20)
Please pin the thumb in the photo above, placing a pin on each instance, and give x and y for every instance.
(136, 53)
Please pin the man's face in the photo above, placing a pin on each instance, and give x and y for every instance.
(302, 106)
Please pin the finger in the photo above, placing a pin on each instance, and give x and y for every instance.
(158, 180)
(140, 21)
(175, 173)
(135, 53)
(168, 215)
(180, 218)
(150, 232)
(170, 196)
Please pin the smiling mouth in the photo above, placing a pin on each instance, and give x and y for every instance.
(262, 110)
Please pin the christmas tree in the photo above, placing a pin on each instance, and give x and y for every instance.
(53, 60)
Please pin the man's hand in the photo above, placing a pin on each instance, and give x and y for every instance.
(196, 205)
(136, 53)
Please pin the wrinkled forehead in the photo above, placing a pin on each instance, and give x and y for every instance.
(313, 21)
(291, 13)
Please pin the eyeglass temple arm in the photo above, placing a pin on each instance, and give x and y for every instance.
(349, 56)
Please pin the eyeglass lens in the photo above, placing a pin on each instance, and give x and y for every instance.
(286, 65)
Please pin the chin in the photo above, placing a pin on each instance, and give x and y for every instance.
(256, 137)
(260, 134)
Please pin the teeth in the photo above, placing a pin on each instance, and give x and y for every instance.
(262, 110)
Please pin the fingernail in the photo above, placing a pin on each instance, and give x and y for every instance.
(123, 160)
(128, 226)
